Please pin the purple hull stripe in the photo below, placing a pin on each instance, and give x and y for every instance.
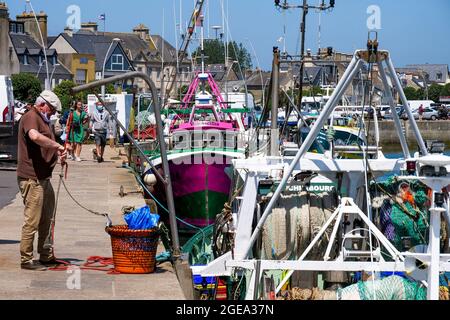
(196, 222)
(218, 180)
(191, 178)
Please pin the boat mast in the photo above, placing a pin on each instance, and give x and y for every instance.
(202, 49)
(185, 44)
(305, 9)
(202, 42)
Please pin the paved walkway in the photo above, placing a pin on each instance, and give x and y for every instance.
(79, 235)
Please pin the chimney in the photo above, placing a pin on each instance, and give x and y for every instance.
(30, 25)
(90, 26)
(68, 31)
(142, 31)
(4, 39)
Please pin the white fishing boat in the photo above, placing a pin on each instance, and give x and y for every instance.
(284, 236)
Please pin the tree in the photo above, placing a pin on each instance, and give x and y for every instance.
(214, 51)
(434, 92)
(420, 94)
(238, 52)
(26, 87)
(410, 93)
(64, 93)
(445, 90)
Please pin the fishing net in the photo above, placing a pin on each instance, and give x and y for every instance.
(389, 288)
(280, 229)
(404, 217)
(145, 118)
(408, 227)
(294, 222)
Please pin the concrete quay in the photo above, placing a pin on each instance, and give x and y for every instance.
(78, 235)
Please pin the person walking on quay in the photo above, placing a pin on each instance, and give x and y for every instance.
(77, 132)
(112, 131)
(37, 156)
(421, 110)
(99, 126)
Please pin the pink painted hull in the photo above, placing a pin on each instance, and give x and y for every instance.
(191, 178)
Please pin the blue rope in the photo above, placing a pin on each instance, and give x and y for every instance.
(163, 257)
(162, 206)
(156, 200)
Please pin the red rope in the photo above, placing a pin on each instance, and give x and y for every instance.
(92, 263)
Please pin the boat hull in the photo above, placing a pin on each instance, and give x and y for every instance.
(199, 190)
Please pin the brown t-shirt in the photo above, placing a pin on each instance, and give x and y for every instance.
(34, 161)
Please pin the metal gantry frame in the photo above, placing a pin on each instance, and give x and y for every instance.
(245, 239)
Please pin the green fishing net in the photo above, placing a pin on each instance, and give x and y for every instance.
(407, 226)
(389, 288)
(410, 222)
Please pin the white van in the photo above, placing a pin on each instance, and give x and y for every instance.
(415, 104)
(6, 99)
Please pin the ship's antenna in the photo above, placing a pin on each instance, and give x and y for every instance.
(202, 40)
(319, 31)
(176, 38)
(47, 80)
(305, 7)
(162, 44)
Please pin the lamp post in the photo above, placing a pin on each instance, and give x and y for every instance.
(104, 65)
(40, 66)
(425, 82)
(227, 75)
(53, 71)
(47, 81)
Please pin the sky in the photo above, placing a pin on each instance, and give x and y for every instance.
(414, 31)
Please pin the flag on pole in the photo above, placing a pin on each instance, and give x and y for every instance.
(102, 17)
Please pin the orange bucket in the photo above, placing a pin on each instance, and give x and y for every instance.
(134, 251)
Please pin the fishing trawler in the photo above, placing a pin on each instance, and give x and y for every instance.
(279, 233)
(204, 136)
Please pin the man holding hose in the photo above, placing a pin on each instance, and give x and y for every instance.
(37, 156)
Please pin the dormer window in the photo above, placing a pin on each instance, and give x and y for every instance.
(54, 60)
(439, 76)
(16, 27)
(25, 59)
(41, 60)
(117, 62)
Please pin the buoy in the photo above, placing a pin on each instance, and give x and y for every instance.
(150, 179)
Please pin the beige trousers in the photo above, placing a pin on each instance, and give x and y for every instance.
(39, 200)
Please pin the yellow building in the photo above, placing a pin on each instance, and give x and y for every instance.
(83, 67)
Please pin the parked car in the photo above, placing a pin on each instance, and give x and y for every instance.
(428, 114)
(384, 110)
(388, 115)
(8, 127)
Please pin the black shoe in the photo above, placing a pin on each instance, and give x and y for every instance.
(50, 263)
(35, 266)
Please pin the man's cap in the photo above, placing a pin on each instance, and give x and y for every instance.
(51, 99)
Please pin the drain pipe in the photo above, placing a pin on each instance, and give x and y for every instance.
(166, 179)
